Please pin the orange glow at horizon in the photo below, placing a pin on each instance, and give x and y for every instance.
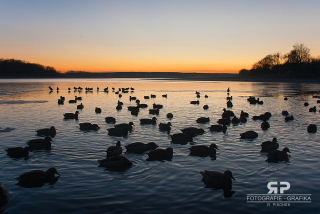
(113, 65)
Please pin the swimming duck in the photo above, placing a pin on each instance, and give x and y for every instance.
(154, 111)
(265, 125)
(224, 121)
(148, 121)
(39, 144)
(217, 180)
(227, 113)
(193, 131)
(269, 146)
(4, 195)
(143, 105)
(277, 155)
(118, 131)
(80, 106)
(18, 152)
(110, 120)
(139, 147)
(126, 126)
(203, 151)
(235, 120)
(160, 154)
(244, 114)
(218, 128)
(114, 150)
(205, 107)
(37, 178)
(306, 104)
(195, 102)
(181, 138)
(60, 102)
(249, 135)
(169, 115)
(312, 128)
(288, 118)
(165, 126)
(47, 132)
(313, 109)
(118, 162)
(203, 120)
(71, 115)
(285, 113)
(229, 104)
(157, 106)
(98, 110)
(88, 126)
(243, 119)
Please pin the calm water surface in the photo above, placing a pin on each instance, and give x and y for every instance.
(156, 187)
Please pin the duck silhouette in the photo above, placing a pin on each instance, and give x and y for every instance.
(160, 154)
(68, 116)
(165, 126)
(249, 135)
(203, 151)
(203, 120)
(148, 121)
(193, 131)
(139, 147)
(218, 128)
(115, 163)
(125, 126)
(110, 120)
(88, 126)
(18, 152)
(181, 138)
(37, 178)
(269, 146)
(312, 128)
(47, 131)
(114, 150)
(40, 144)
(276, 155)
(98, 110)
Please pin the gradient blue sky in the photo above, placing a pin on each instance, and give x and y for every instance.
(150, 35)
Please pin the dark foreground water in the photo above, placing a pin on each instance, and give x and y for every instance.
(157, 187)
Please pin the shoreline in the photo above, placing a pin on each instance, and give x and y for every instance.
(195, 78)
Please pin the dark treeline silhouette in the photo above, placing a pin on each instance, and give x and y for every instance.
(12, 68)
(298, 63)
(170, 75)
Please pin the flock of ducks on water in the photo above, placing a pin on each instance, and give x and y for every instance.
(115, 161)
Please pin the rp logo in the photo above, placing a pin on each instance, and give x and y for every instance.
(275, 189)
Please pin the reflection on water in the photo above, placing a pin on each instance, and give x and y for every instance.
(27, 105)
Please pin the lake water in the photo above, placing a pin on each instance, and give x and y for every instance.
(153, 186)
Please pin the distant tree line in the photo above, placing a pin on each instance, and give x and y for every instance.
(297, 63)
(12, 68)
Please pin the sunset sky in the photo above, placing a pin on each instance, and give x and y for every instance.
(153, 35)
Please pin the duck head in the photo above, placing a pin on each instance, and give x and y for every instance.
(213, 146)
(118, 144)
(286, 149)
(52, 171)
(228, 174)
